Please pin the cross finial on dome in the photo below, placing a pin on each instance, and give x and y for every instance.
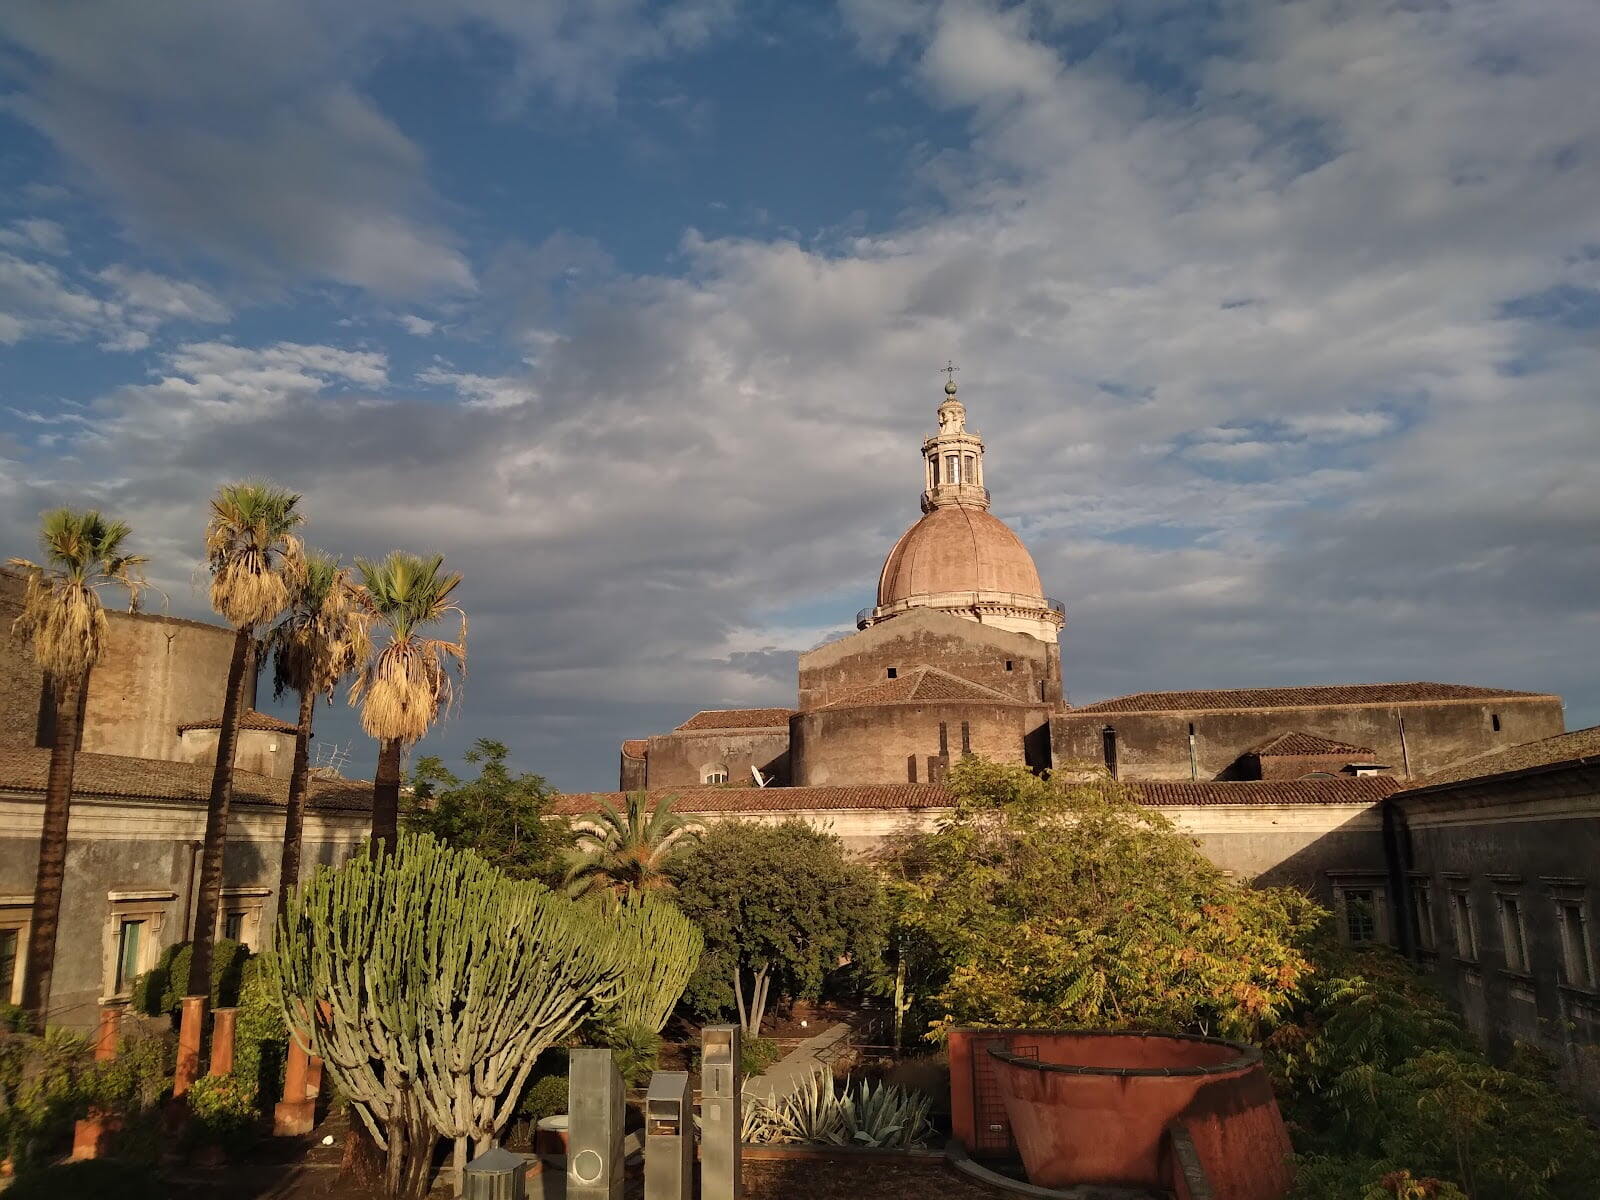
(949, 371)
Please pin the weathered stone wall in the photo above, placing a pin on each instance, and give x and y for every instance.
(1535, 840)
(264, 751)
(1298, 766)
(927, 637)
(1155, 745)
(676, 759)
(631, 773)
(872, 744)
(137, 858)
(21, 681)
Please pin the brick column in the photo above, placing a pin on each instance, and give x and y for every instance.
(223, 1023)
(90, 1136)
(296, 1113)
(191, 1035)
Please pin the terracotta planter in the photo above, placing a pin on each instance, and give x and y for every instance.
(551, 1135)
(1094, 1108)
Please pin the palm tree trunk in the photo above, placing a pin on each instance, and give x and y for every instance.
(240, 667)
(294, 818)
(386, 798)
(52, 854)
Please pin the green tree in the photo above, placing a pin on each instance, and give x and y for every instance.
(320, 640)
(784, 913)
(256, 561)
(502, 817)
(403, 687)
(1056, 903)
(626, 851)
(63, 617)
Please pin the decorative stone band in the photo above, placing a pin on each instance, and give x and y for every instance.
(1000, 603)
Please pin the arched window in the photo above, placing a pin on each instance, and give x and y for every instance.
(714, 773)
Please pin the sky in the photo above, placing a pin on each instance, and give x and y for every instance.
(1281, 322)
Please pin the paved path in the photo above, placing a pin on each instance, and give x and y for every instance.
(787, 1074)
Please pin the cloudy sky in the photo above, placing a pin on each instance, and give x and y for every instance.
(1281, 321)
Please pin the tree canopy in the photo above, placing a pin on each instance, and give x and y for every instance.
(1056, 902)
(500, 815)
(781, 908)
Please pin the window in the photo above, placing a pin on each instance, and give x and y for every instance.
(10, 959)
(911, 768)
(1577, 961)
(1513, 937)
(1360, 916)
(1009, 664)
(714, 773)
(892, 672)
(1494, 722)
(233, 925)
(952, 468)
(15, 915)
(944, 741)
(130, 941)
(969, 467)
(1108, 749)
(966, 739)
(133, 937)
(1422, 914)
(1462, 925)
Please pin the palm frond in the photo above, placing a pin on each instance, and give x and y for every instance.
(403, 687)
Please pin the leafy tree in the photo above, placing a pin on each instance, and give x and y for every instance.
(500, 816)
(402, 688)
(256, 561)
(1044, 902)
(320, 640)
(784, 913)
(626, 851)
(62, 613)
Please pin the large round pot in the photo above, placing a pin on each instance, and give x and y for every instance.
(1089, 1107)
(550, 1136)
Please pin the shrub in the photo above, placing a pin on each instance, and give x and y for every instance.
(94, 1179)
(544, 1097)
(635, 1049)
(261, 1039)
(160, 990)
(41, 1092)
(223, 1108)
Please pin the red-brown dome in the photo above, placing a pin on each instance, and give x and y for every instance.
(956, 548)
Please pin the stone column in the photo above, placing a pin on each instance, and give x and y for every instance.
(223, 1024)
(90, 1136)
(191, 1035)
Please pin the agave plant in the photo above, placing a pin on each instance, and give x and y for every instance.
(882, 1114)
(822, 1112)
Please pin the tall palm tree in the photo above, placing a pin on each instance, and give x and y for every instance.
(256, 563)
(321, 639)
(626, 850)
(402, 688)
(61, 610)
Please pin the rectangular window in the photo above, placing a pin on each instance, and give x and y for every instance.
(1494, 721)
(892, 672)
(969, 468)
(966, 739)
(1108, 749)
(233, 926)
(1512, 934)
(1463, 927)
(1360, 916)
(129, 938)
(1577, 962)
(10, 950)
(911, 768)
(952, 468)
(944, 741)
(1009, 664)
(1422, 914)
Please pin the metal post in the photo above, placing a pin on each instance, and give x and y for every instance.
(668, 1138)
(721, 1121)
(594, 1131)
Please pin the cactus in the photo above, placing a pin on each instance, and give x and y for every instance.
(429, 983)
(662, 948)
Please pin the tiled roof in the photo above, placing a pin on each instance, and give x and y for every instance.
(635, 748)
(739, 718)
(921, 683)
(25, 769)
(1297, 744)
(771, 799)
(913, 796)
(1301, 697)
(1365, 789)
(250, 720)
(1572, 747)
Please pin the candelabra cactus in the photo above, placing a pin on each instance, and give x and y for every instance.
(661, 948)
(429, 983)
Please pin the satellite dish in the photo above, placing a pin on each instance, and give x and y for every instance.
(761, 781)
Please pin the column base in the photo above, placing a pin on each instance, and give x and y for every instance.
(294, 1118)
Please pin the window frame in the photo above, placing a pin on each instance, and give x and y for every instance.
(16, 912)
(250, 903)
(712, 774)
(151, 907)
(1571, 897)
(1513, 919)
(1464, 925)
(1423, 916)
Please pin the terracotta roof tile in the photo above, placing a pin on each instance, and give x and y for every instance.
(921, 684)
(739, 718)
(113, 775)
(250, 720)
(1365, 789)
(635, 748)
(771, 799)
(1298, 744)
(1546, 752)
(1301, 697)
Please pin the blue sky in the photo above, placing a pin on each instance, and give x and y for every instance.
(1279, 319)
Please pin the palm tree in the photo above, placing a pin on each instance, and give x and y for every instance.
(402, 687)
(626, 850)
(62, 612)
(256, 564)
(322, 638)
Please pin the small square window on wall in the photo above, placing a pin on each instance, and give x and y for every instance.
(892, 672)
(1494, 722)
(1009, 664)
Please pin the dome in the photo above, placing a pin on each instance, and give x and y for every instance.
(955, 548)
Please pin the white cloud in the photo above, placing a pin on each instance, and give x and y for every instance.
(35, 233)
(1340, 426)
(417, 326)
